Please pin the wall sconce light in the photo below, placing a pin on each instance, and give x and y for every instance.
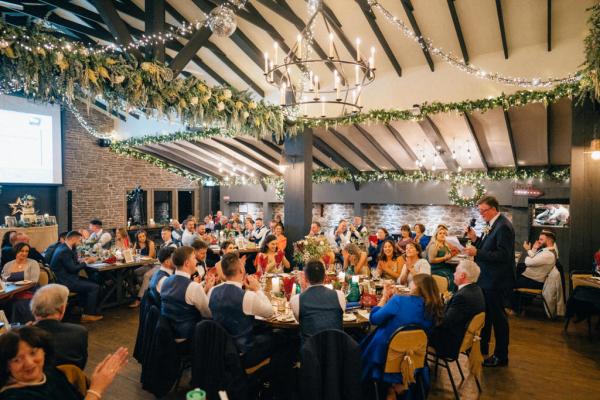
(595, 149)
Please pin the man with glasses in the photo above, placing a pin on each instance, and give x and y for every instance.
(494, 252)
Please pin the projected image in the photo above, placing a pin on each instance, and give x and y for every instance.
(28, 148)
(556, 215)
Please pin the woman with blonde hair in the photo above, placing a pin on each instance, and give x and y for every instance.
(355, 260)
(439, 252)
(122, 239)
(422, 307)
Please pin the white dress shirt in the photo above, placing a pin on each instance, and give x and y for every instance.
(260, 234)
(99, 237)
(188, 238)
(539, 264)
(195, 296)
(170, 243)
(254, 303)
(161, 280)
(295, 302)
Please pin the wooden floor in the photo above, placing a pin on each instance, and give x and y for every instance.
(544, 362)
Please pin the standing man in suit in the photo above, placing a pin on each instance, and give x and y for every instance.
(466, 303)
(494, 252)
(70, 341)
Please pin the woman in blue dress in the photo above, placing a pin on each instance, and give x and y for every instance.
(423, 307)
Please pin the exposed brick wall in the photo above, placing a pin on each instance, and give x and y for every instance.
(99, 179)
(332, 214)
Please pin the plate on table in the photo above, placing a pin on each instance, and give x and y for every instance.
(349, 317)
(22, 283)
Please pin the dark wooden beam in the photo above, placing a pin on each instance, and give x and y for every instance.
(232, 66)
(403, 144)
(371, 139)
(549, 134)
(441, 147)
(247, 155)
(258, 150)
(198, 39)
(189, 150)
(227, 156)
(458, 30)
(409, 9)
(511, 138)
(276, 148)
(115, 24)
(130, 8)
(154, 24)
(502, 30)
(476, 141)
(337, 158)
(370, 16)
(549, 23)
(348, 143)
(178, 161)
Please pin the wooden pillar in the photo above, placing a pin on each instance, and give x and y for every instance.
(585, 187)
(298, 185)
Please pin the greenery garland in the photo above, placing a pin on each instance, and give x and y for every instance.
(590, 82)
(51, 69)
(454, 192)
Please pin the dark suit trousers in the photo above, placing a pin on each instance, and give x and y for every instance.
(87, 290)
(496, 318)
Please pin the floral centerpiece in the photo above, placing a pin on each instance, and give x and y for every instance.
(313, 248)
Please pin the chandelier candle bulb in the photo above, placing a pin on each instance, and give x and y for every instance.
(357, 49)
(331, 45)
(282, 94)
(323, 107)
(311, 79)
(271, 74)
(266, 63)
(276, 50)
(316, 87)
(299, 44)
(357, 74)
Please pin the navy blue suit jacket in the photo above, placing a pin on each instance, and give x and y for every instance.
(496, 256)
(65, 265)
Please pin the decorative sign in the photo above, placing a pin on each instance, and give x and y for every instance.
(24, 205)
(527, 191)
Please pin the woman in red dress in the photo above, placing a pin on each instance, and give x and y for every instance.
(270, 259)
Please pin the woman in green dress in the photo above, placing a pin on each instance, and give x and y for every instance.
(439, 252)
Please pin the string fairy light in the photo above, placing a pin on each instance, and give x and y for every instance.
(468, 68)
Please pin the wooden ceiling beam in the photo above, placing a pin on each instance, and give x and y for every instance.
(371, 139)
(337, 158)
(348, 143)
(258, 150)
(476, 141)
(549, 24)
(549, 134)
(409, 9)
(458, 30)
(511, 138)
(246, 154)
(189, 50)
(441, 147)
(187, 150)
(154, 23)
(232, 160)
(335, 24)
(180, 162)
(276, 148)
(371, 19)
(403, 144)
(115, 24)
(502, 30)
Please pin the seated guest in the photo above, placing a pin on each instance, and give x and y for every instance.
(8, 241)
(315, 229)
(281, 239)
(357, 230)
(235, 308)
(355, 260)
(167, 268)
(226, 247)
(375, 247)
(70, 341)
(66, 267)
(203, 233)
(467, 302)
(27, 372)
(439, 252)
(99, 238)
(389, 261)
(183, 300)
(50, 250)
(122, 239)
(21, 268)
(271, 259)
(177, 232)
(405, 238)
(413, 264)
(317, 308)
(189, 234)
(259, 233)
(200, 249)
(166, 236)
(144, 245)
(423, 307)
(420, 237)
(342, 234)
(248, 227)
(21, 237)
(209, 224)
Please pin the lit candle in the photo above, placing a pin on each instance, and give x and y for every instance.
(356, 74)
(271, 74)
(275, 288)
(323, 107)
(299, 48)
(342, 276)
(276, 48)
(282, 94)
(357, 49)
(266, 62)
(311, 79)
(355, 278)
(331, 45)
(316, 87)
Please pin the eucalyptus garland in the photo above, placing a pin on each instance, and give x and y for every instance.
(51, 69)
(590, 82)
(454, 193)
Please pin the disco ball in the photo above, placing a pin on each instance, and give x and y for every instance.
(222, 21)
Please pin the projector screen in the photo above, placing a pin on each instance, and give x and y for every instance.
(30, 139)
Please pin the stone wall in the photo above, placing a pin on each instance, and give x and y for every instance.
(99, 179)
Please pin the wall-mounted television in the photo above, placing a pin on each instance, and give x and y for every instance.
(555, 214)
(31, 142)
